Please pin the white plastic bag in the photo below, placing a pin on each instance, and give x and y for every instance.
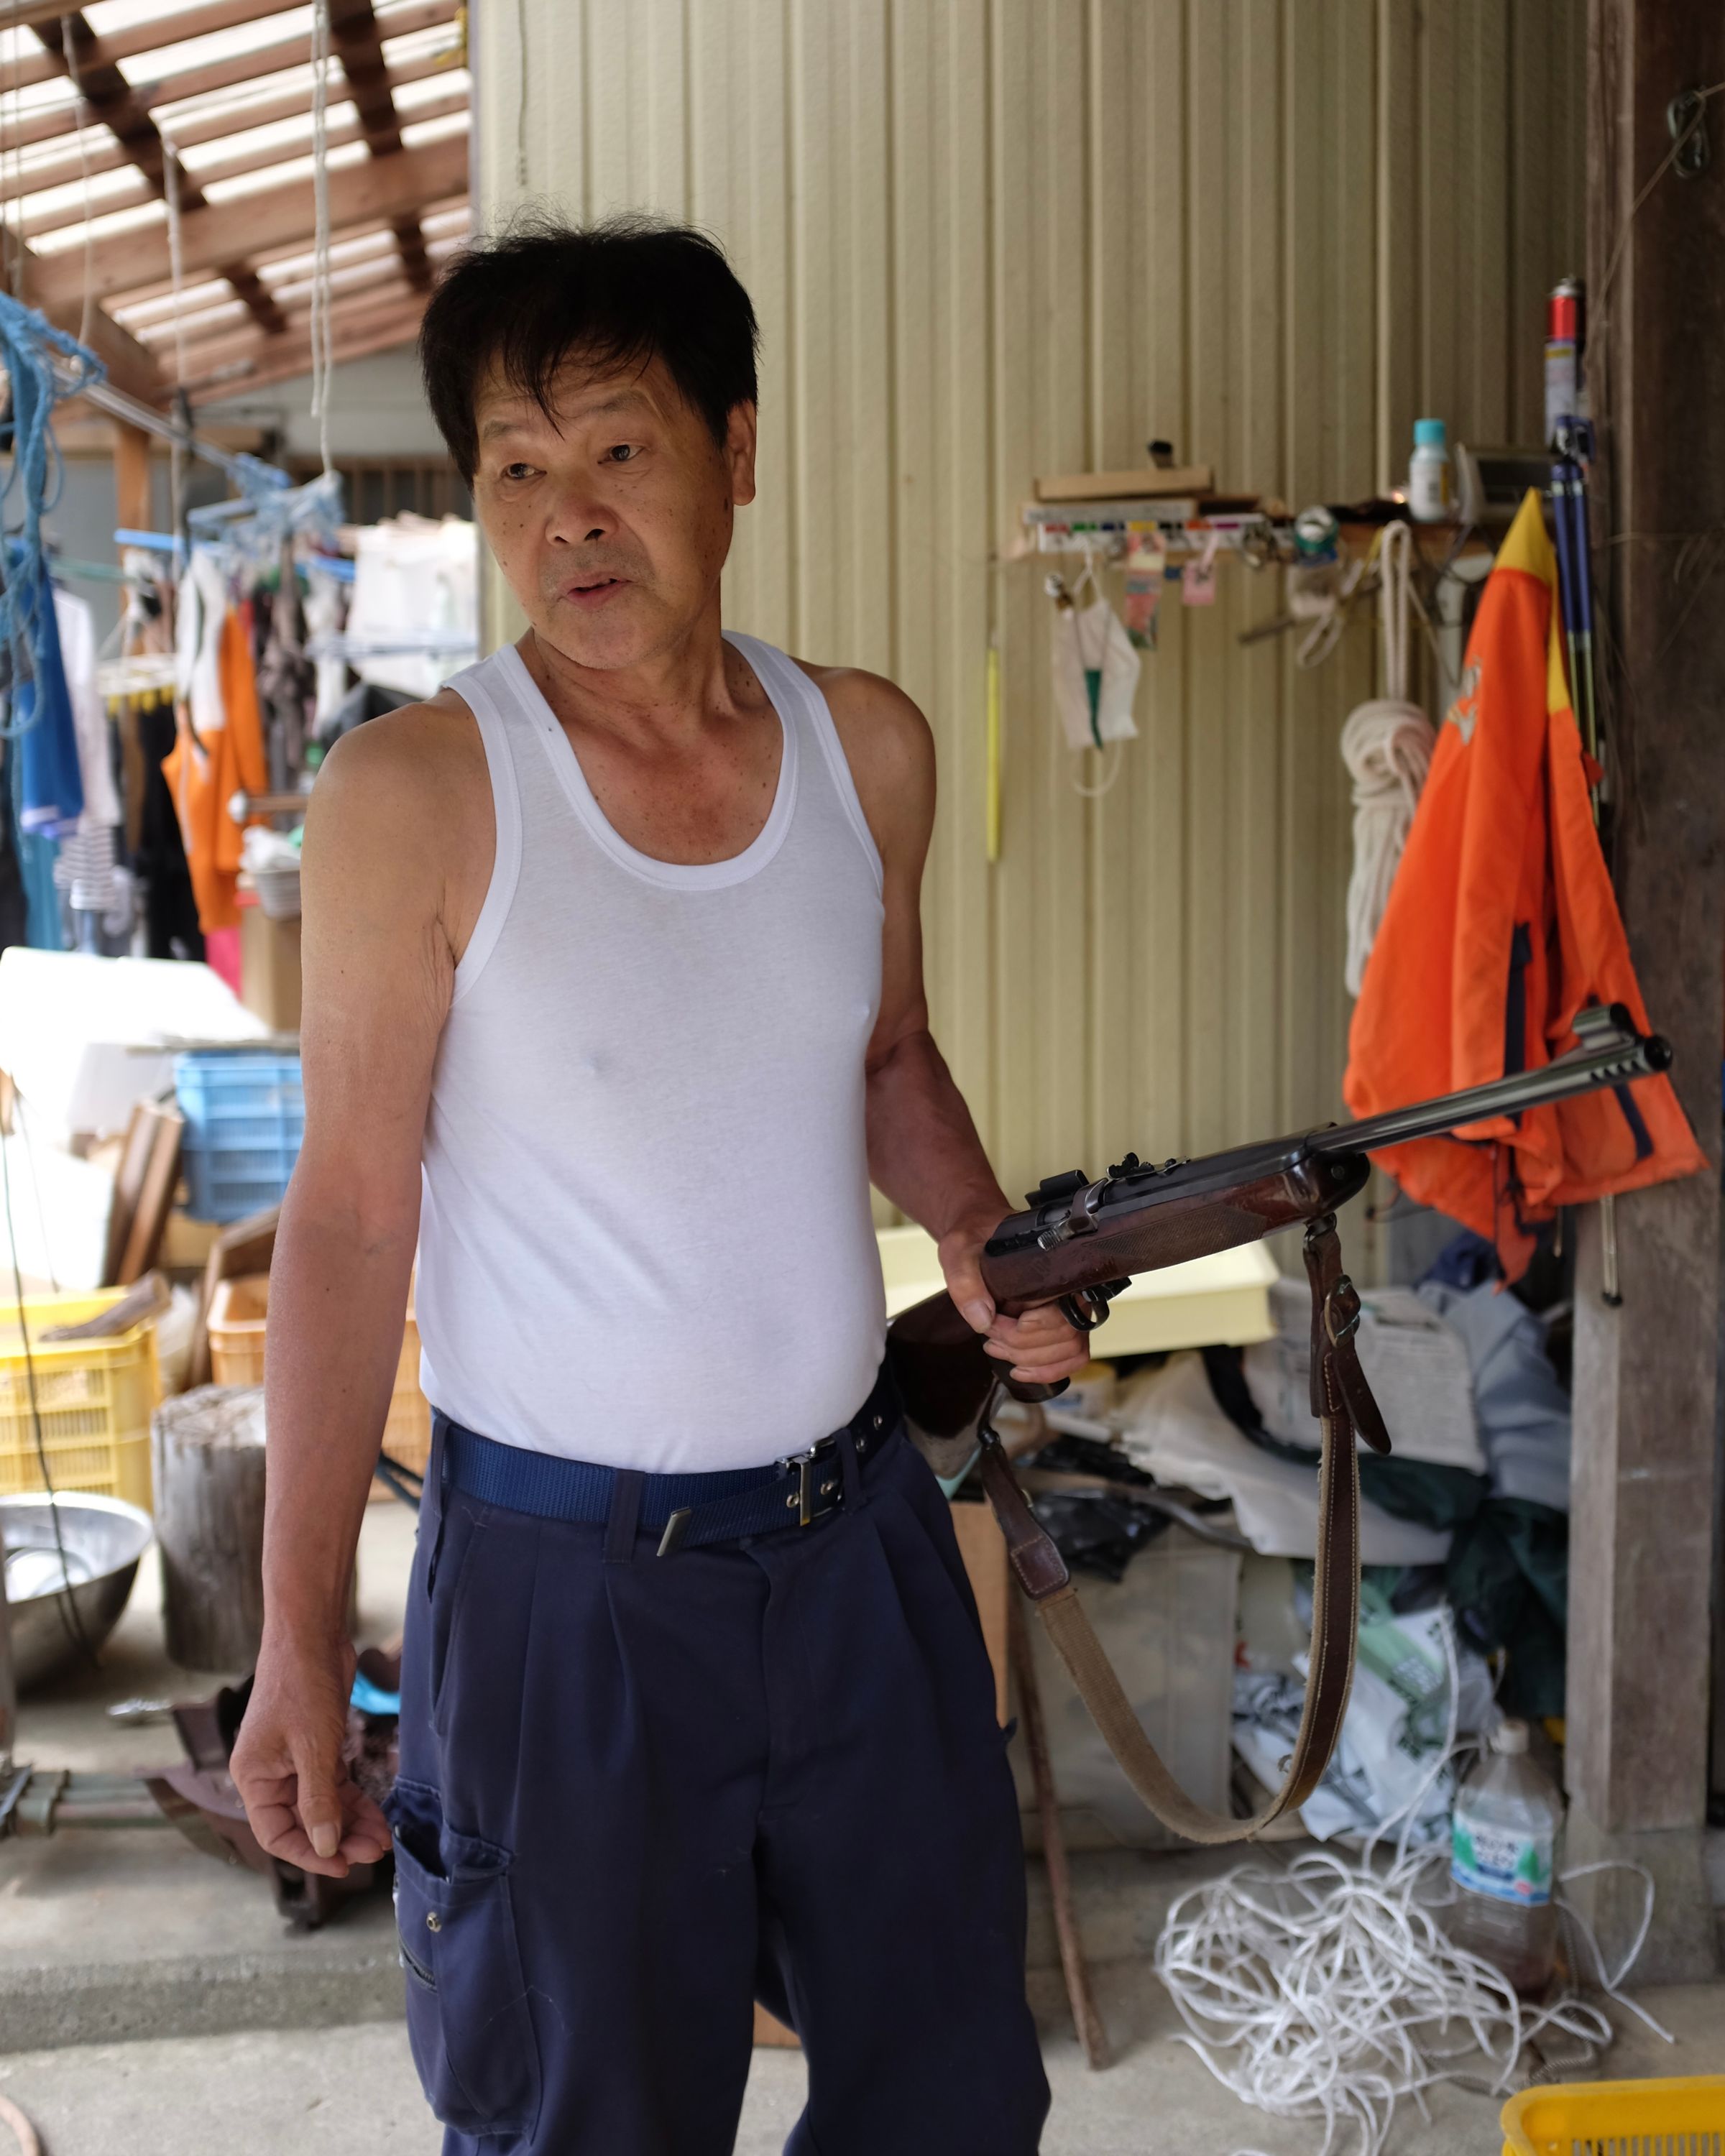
(1091, 649)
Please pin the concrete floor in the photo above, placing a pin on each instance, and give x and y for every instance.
(352, 2092)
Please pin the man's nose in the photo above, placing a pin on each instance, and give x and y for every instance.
(578, 517)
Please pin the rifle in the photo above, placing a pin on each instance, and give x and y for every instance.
(1079, 1242)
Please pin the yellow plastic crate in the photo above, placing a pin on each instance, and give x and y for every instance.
(1679, 2118)
(238, 1317)
(95, 1398)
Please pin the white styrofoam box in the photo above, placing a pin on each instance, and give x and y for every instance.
(1416, 1365)
(85, 1039)
(59, 1212)
(1168, 1628)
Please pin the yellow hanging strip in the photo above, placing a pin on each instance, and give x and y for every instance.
(991, 798)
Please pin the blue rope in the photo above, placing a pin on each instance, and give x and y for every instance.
(28, 343)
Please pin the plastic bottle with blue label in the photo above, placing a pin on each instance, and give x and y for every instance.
(1431, 499)
(1505, 1831)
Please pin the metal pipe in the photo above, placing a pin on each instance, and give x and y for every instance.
(118, 405)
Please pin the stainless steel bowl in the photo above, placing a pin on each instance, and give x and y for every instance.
(104, 1540)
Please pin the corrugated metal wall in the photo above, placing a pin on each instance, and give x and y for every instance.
(988, 238)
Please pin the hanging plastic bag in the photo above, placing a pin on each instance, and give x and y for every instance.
(1095, 674)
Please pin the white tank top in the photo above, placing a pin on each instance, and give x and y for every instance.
(646, 1236)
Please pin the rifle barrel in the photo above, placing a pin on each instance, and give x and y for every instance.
(1601, 1061)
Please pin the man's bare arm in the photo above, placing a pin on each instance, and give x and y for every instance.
(378, 971)
(924, 1152)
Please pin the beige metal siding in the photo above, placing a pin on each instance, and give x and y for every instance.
(991, 238)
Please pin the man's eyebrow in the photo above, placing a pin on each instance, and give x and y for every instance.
(621, 400)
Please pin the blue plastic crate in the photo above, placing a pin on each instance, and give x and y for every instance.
(245, 1115)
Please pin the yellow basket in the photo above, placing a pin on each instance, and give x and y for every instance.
(237, 1316)
(94, 1398)
(1679, 2118)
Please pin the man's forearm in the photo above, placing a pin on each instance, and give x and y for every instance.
(924, 1154)
(338, 1291)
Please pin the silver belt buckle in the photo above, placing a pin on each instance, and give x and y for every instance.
(813, 1481)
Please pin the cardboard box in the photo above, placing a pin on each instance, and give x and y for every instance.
(270, 968)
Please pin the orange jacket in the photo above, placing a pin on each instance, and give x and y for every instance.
(1501, 924)
(204, 776)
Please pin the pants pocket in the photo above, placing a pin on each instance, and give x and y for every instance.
(468, 2021)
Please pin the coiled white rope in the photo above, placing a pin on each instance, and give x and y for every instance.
(1328, 1990)
(1387, 746)
(322, 336)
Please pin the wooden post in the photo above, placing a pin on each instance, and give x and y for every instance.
(209, 1521)
(131, 477)
(1642, 1526)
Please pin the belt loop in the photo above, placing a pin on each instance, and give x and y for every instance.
(624, 1515)
(851, 1471)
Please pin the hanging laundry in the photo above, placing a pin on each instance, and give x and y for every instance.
(1095, 674)
(218, 750)
(1500, 926)
(87, 870)
(51, 785)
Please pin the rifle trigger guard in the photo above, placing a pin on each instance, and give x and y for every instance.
(1084, 1310)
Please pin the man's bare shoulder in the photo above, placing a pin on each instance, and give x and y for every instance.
(405, 798)
(422, 749)
(888, 744)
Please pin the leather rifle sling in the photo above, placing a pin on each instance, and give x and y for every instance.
(1342, 1400)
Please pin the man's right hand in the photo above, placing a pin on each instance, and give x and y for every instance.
(303, 1805)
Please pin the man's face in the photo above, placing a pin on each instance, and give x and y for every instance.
(611, 516)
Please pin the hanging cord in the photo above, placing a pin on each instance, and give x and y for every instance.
(176, 270)
(71, 1616)
(1324, 1990)
(1387, 746)
(69, 47)
(322, 342)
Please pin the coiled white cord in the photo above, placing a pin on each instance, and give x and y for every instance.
(1387, 746)
(1326, 1989)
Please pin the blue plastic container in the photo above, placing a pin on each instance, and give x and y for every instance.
(245, 1115)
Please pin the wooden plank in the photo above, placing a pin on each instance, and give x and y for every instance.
(1642, 1523)
(165, 1126)
(225, 232)
(278, 361)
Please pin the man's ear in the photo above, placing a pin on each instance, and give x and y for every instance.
(739, 454)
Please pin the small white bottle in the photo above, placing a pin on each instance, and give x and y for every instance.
(1503, 1856)
(1428, 490)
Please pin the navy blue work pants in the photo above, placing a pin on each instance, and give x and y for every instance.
(638, 1793)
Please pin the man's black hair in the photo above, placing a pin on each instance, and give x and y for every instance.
(617, 295)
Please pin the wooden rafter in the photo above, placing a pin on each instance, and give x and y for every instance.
(71, 43)
(109, 250)
(382, 188)
(355, 35)
(217, 170)
(283, 359)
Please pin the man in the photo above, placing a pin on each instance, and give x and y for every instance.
(612, 951)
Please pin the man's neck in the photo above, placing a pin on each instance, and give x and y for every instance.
(674, 692)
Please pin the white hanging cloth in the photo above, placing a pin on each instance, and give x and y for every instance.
(1096, 673)
(1387, 746)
